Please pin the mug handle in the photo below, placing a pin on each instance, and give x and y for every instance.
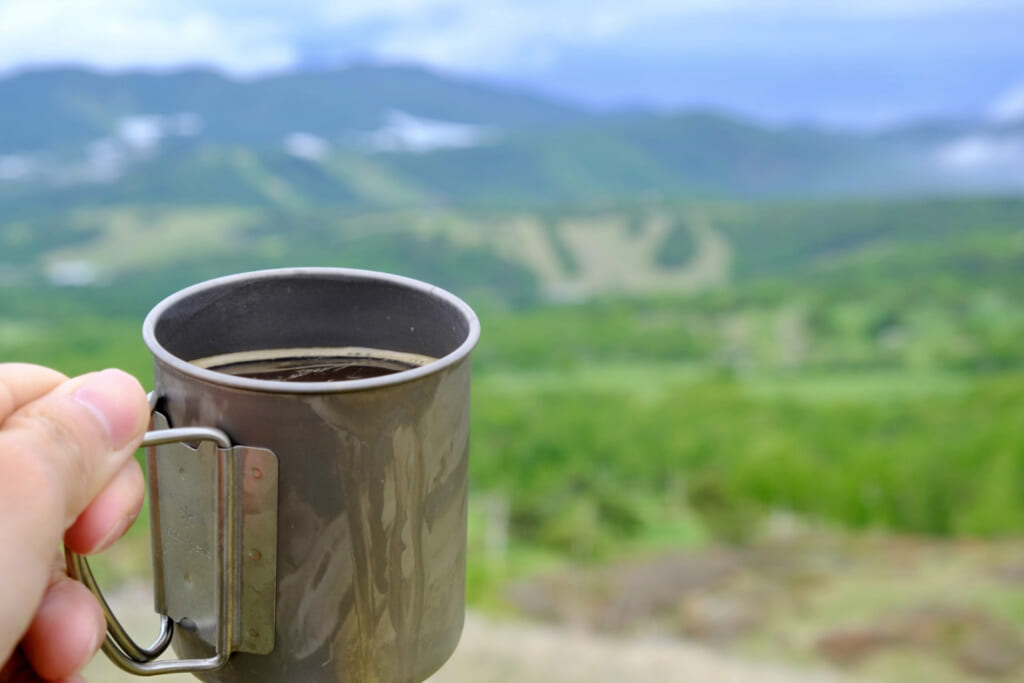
(119, 647)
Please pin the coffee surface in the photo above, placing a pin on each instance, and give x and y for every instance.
(314, 364)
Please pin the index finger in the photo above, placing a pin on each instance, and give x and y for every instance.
(22, 383)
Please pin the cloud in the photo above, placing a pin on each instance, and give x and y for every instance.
(136, 33)
(15, 167)
(403, 132)
(494, 35)
(505, 34)
(307, 146)
(983, 152)
(1008, 107)
(260, 35)
(769, 57)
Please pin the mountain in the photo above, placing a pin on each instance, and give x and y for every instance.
(370, 136)
(53, 109)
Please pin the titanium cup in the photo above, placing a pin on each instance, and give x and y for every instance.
(305, 532)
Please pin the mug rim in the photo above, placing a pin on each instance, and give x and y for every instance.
(161, 354)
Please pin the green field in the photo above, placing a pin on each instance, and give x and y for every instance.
(651, 376)
(856, 361)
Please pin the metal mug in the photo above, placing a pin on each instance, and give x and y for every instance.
(309, 532)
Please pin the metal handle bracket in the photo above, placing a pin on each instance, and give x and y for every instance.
(213, 514)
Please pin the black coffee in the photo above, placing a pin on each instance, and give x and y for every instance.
(314, 365)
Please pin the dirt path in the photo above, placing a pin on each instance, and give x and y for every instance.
(610, 257)
(497, 652)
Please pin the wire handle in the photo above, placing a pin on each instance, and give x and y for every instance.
(118, 645)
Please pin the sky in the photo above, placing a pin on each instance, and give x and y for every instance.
(861, 63)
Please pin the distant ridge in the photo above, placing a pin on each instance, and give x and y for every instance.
(78, 105)
(370, 135)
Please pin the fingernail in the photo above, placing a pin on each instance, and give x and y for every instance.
(106, 394)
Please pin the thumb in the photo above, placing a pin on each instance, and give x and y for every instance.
(69, 443)
(56, 454)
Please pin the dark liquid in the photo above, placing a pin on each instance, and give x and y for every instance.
(281, 367)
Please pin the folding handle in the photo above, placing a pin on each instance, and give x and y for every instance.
(78, 567)
(118, 645)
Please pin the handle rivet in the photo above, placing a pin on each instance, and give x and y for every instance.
(255, 555)
(256, 473)
(253, 633)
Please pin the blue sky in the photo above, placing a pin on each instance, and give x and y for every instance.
(850, 62)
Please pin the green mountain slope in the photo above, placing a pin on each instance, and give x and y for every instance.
(60, 108)
(380, 137)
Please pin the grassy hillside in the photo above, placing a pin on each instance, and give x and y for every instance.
(58, 109)
(652, 375)
(374, 137)
(681, 347)
(745, 353)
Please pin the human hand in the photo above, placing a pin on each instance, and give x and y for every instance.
(66, 471)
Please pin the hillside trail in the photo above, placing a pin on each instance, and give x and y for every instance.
(496, 651)
(610, 258)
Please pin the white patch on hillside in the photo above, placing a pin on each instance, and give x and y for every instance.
(103, 160)
(72, 273)
(1009, 106)
(140, 132)
(306, 146)
(404, 132)
(16, 167)
(145, 131)
(983, 153)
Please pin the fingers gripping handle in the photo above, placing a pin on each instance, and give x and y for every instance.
(118, 645)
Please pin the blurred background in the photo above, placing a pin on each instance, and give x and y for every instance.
(748, 401)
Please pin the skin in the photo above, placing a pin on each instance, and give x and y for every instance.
(66, 474)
